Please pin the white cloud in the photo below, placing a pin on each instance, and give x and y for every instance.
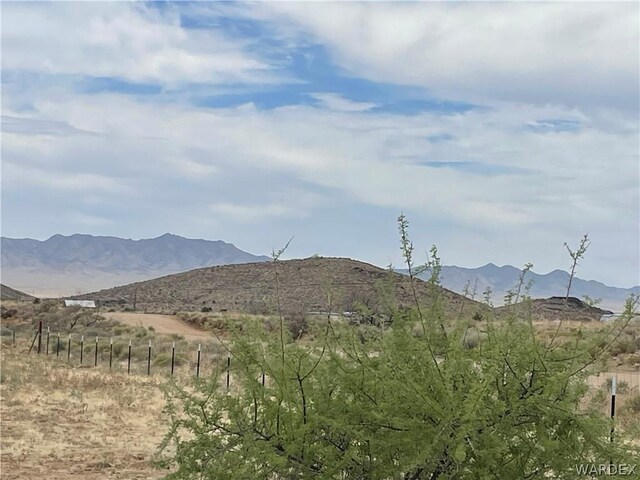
(88, 221)
(378, 159)
(563, 184)
(337, 102)
(555, 52)
(131, 41)
(252, 213)
(18, 176)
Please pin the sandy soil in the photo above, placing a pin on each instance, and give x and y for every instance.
(162, 324)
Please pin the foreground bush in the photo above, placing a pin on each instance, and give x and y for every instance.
(399, 403)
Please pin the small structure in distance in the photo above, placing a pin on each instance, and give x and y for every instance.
(80, 303)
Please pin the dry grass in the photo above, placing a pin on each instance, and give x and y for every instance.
(68, 422)
(62, 422)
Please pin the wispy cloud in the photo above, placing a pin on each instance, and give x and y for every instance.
(333, 101)
(565, 53)
(252, 213)
(135, 42)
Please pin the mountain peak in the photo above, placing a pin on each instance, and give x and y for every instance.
(65, 264)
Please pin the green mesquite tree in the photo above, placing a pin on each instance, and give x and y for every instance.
(397, 403)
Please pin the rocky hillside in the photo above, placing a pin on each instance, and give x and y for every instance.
(554, 308)
(8, 293)
(304, 285)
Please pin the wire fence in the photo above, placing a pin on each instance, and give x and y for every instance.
(177, 357)
(134, 356)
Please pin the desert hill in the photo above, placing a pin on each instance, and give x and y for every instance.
(8, 293)
(304, 286)
(554, 308)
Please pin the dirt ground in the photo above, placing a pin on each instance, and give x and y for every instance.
(60, 422)
(79, 423)
(162, 324)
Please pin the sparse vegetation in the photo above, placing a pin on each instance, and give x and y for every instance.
(428, 396)
(77, 423)
(385, 390)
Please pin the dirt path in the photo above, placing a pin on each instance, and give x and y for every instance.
(165, 324)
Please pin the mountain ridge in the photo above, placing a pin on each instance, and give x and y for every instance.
(64, 264)
(505, 277)
(77, 263)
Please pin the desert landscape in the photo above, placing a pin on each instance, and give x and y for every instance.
(67, 419)
(284, 240)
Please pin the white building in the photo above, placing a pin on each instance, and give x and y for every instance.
(80, 303)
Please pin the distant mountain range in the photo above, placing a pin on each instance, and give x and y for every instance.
(69, 265)
(502, 279)
(65, 265)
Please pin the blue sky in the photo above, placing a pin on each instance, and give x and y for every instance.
(501, 130)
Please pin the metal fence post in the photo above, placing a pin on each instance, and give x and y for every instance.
(613, 405)
(110, 352)
(39, 337)
(228, 371)
(48, 334)
(81, 348)
(95, 355)
(129, 359)
(173, 356)
(198, 363)
(58, 345)
(69, 350)
(149, 360)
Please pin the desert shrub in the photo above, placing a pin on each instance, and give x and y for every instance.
(471, 339)
(6, 332)
(205, 309)
(7, 312)
(193, 318)
(120, 349)
(164, 360)
(92, 334)
(120, 330)
(633, 405)
(633, 359)
(216, 323)
(623, 345)
(270, 324)
(297, 325)
(141, 332)
(140, 351)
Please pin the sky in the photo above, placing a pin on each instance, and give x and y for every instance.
(501, 130)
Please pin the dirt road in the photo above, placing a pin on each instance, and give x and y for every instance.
(165, 324)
